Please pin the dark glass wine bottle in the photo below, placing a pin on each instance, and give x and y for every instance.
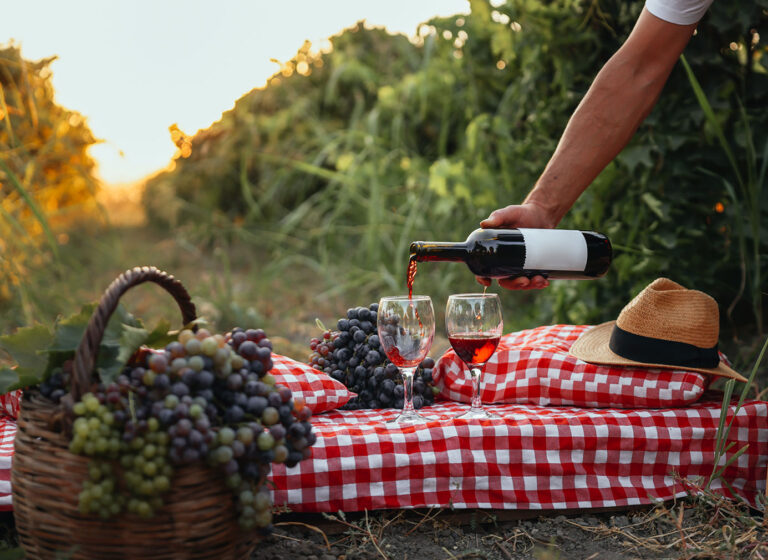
(501, 253)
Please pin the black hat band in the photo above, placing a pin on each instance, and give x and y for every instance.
(649, 350)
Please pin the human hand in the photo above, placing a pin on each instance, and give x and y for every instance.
(526, 215)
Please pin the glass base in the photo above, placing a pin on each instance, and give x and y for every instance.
(410, 418)
(477, 414)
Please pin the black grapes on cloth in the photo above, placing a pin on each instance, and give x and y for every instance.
(352, 355)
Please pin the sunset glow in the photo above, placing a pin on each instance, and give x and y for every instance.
(133, 69)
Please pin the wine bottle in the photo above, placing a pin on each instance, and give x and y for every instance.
(501, 253)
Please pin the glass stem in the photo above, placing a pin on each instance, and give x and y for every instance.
(407, 374)
(476, 402)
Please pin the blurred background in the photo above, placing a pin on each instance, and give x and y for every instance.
(279, 160)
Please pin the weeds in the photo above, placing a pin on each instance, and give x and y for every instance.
(722, 446)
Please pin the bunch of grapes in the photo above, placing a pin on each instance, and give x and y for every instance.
(202, 398)
(353, 355)
(57, 383)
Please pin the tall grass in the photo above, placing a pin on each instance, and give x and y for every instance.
(722, 445)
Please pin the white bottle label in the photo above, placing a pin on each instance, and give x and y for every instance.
(554, 249)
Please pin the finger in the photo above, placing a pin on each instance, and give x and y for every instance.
(519, 283)
(491, 221)
(539, 282)
(500, 217)
(484, 281)
(496, 219)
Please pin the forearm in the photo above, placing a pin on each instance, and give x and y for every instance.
(619, 99)
(601, 126)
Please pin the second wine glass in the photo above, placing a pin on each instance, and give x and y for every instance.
(406, 330)
(474, 325)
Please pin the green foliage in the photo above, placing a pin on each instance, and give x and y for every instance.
(46, 178)
(35, 351)
(347, 156)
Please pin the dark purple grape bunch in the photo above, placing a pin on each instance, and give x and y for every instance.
(57, 383)
(264, 425)
(353, 355)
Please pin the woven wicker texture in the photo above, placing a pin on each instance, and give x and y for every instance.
(198, 520)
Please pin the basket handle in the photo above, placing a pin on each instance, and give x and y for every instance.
(85, 355)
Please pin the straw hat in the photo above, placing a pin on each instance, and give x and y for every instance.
(664, 326)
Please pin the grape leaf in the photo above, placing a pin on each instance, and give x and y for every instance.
(113, 334)
(112, 362)
(69, 330)
(161, 335)
(36, 351)
(18, 378)
(27, 345)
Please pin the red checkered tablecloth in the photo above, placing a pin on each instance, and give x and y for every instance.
(533, 458)
(7, 434)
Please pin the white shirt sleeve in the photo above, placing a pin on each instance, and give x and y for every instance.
(681, 12)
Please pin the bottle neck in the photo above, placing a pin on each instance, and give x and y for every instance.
(424, 251)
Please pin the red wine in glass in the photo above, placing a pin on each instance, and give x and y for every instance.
(474, 325)
(475, 348)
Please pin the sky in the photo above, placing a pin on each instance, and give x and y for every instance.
(134, 68)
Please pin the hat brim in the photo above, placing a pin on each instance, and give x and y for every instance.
(592, 347)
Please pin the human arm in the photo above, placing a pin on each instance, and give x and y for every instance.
(621, 96)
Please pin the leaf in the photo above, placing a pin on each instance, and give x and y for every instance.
(656, 206)
(123, 335)
(668, 239)
(731, 460)
(69, 330)
(160, 336)
(26, 347)
(114, 360)
(633, 156)
(114, 331)
(19, 378)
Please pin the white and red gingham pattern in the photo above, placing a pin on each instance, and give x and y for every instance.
(534, 367)
(9, 404)
(7, 434)
(532, 458)
(319, 391)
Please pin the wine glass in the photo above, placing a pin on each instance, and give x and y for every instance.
(406, 330)
(474, 324)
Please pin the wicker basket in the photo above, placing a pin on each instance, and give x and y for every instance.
(198, 519)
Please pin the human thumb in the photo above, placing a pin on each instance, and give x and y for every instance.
(492, 221)
(499, 218)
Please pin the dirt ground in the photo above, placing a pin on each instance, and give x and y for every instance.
(705, 527)
(688, 529)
